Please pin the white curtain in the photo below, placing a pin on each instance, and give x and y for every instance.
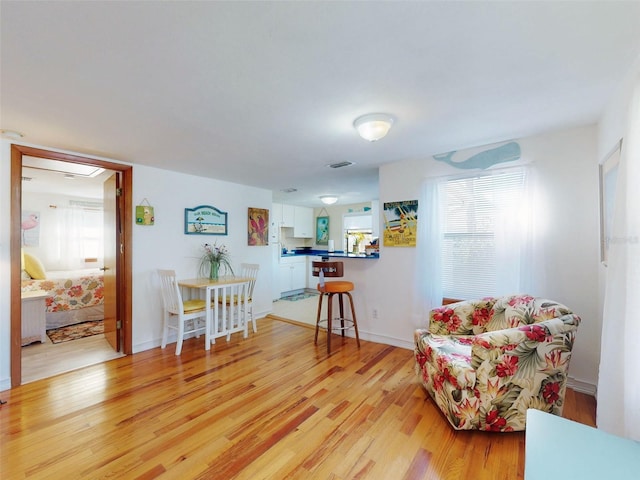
(514, 237)
(429, 247)
(509, 193)
(78, 235)
(618, 409)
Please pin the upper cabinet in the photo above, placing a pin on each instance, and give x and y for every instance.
(303, 222)
(288, 215)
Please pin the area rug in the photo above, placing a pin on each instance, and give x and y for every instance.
(299, 296)
(73, 332)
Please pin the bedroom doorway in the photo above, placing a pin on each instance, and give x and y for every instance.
(122, 260)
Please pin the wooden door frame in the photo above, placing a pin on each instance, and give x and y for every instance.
(124, 284)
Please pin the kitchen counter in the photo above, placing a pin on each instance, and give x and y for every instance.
(324, 253)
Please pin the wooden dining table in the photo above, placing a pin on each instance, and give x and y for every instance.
(227, 297)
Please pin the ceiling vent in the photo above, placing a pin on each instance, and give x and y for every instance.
(289, 190)
(340, 164)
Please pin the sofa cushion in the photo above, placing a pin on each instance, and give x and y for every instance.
(451, 358)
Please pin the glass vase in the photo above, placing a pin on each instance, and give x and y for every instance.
(213, 272)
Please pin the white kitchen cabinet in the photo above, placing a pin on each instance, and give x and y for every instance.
(275, 221)
(312, 282)
(288, 215)
(293, 273)
(303, 222)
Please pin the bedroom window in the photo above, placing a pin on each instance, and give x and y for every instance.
(80, 233)
(484, 234)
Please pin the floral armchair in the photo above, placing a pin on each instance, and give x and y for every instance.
(486, 362)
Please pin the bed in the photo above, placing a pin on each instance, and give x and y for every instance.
(73, 296)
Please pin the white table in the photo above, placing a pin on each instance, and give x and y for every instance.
(559, 449)
(34, 328)
(222, 295)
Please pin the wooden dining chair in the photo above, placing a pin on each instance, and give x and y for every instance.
(247, 270)
(183, 316)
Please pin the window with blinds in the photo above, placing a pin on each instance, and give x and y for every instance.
(473, 210)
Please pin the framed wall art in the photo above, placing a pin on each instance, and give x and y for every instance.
(144, 213)
(400, 223)
(258, 228)
(205, 220)
(608, 179)
(322, 230)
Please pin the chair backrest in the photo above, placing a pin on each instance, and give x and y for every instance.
(473, 317)
(250, 270)
(329, 269)
(171, 296)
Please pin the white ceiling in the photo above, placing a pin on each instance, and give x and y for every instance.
(265, 93)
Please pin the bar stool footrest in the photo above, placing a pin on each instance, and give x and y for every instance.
(348, 323)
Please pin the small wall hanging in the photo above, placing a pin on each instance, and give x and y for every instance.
(608, 179)
(30, 226)
(258, 228)
(400, 223)
(205, 220)
(322, 229)
(508, 152)
(144, 213)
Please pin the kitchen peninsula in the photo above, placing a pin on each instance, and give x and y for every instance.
(296, 275)
(325, 253)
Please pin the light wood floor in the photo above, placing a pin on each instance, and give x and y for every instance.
(42, 360)
(272, 406)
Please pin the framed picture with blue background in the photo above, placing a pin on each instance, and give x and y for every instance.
(322, 230)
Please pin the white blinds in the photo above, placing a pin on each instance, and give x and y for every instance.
(477, 211)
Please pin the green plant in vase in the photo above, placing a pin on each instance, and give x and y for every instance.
(213, 258)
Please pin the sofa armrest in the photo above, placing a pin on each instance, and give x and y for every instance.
(526, 361)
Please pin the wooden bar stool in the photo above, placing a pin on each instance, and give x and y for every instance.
(329, 289)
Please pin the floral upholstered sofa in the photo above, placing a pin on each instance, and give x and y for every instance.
(486, 362)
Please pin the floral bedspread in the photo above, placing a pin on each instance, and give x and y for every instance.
(69, 293)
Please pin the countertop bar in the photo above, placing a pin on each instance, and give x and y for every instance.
(324, 253)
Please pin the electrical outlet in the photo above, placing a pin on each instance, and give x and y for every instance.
(374, 313)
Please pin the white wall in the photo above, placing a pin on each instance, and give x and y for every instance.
(568, 245)
(567, 240)
(5, 265)
(612, 127)
(163, 245)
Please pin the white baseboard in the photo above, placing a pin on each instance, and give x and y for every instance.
(5, 384)
(582, 387)
(385, 339)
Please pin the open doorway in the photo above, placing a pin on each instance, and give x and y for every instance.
(117, 233)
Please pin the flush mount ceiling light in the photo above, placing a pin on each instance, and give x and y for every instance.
(328, 199)
(373, 126)
(12, 134)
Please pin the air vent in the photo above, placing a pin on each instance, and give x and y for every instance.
(289, 190)
(27, 179)
(340, 164)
